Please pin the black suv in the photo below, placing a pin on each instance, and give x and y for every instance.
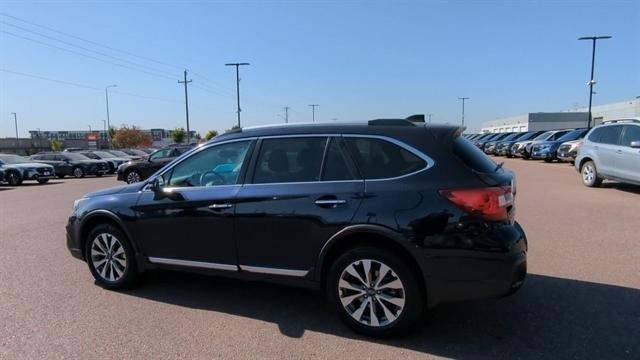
(388, 218)
(137, 170)
(73, 164)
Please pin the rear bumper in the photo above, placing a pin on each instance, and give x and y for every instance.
(463, 275)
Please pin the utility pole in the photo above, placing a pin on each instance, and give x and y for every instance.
(15, 120)
(286, 114)
(186, 103)
(593, 60)
(90, 128)
(313, 112)
(106, 95)
(237, 65)
(463, 99)
(104, 126)
(429, 115)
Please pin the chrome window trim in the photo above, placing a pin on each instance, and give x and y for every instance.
(273, 271)
(196, 264)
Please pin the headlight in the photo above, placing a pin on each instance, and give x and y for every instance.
(77, 203)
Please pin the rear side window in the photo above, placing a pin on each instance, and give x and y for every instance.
(631, 133)
(381, 159)
(473, 157)
(290, 160)
(611, 135)
(338, 165)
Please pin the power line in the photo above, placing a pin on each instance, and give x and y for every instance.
(85, 55)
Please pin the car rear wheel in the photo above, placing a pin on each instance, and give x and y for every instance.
(590, 175)
(133, 176)
(110, 257)
(78, 172)
(43, 181)
(374, 291)
(13, 178)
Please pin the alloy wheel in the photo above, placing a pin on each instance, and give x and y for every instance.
(133, 177)
(588, 173)
(371, 293)
(108, 257)
(77, 172)
(13, 179)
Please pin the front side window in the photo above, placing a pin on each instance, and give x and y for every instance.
(290, 160)
(631, 133)
(215, 166)
(160, 154)
(380, 159)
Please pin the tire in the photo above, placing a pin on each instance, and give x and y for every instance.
(132, 177)
(548, 160)
(60, 176)
(13, 178)
(77, 172)
(589, 174)
(110, 257)
(43, 181)
(344, 288)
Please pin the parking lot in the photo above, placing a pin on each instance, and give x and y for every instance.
(581, 298)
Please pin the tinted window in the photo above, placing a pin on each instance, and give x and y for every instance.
(74, 156)
(379, 159)
(217, 165)
(558, 135)
(290, 160)
(611, 135)
(631, 133)
(472, 156)
(161, 154)
(573, 135)
(91, 155)
(544, 135)
(338, 165)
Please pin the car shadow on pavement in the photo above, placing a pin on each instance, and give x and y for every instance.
(548, 318)
(635, 189)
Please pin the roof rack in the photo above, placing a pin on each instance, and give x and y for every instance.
(621, 121)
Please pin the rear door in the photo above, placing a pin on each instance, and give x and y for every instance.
(629, 158)
(293, 202)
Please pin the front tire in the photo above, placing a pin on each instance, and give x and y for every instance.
(133, 176)
(374, 291)
(43, 181)
(13, 178)
(77, 172)
(61, 176)
(110, 257)
(590, 175)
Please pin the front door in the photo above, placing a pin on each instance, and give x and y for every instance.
(188, 219)
(292, 204)
(628, 157)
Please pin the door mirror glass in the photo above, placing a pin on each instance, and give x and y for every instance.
(635, 144)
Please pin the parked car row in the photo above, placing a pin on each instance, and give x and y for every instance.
(608, 151)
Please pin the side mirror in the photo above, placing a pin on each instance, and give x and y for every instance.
(635, 144)
(155, 185)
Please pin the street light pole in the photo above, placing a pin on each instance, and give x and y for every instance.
(593, 60)
(237, 65)
(106, 95)
(286, 114)
(463, 100)
(15, 120)
(104, 126)
(313, 112)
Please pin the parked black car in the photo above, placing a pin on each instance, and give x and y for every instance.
(72, 164)
(112, 160)
(548, 150)
(16, 169)
(387, 219)
(489, 145)
(138, 170)
(504, 146)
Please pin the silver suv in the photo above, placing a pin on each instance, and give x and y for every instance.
(611, 151)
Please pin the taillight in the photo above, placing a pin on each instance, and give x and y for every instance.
(490, 203)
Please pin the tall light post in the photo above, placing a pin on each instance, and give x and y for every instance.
(237, 65)
(313, 112)
(106, 95)
(593, 60)
(463, 100)
(104, 126)
(15, 121)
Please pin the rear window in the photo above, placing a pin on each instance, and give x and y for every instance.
(380, 159)
(472, 156)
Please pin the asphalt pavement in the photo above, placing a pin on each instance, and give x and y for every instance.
(581, 299)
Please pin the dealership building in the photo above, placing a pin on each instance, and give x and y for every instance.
(85, 138)
(563, 120)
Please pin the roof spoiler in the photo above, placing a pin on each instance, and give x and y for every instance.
(409, 121)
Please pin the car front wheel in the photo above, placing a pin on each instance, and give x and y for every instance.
(110, 257)
(13, 178)
(590, 175)
(78, 172)
(43, 181)
(133, 177)
(374, 291)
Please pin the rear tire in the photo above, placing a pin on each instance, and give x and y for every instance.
(13, 178)
(110, 257)
(43, 181)
(548, 160)
(393, 289)
(77, 172)
(590, 175)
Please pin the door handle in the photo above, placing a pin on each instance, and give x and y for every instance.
(330, 202)
(220, 206)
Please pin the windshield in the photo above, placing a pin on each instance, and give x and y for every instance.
(136, 152)
(544, 135)
(74, 156)
(512, 136)
(13, 159)
(119, 153)
(103, 154)
(573, 135)
(91, 155)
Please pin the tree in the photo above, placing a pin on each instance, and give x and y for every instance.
(56, 145)
(210, 134)
(131, 137)
(178, 135)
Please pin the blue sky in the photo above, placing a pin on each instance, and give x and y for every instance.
(357, 60)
